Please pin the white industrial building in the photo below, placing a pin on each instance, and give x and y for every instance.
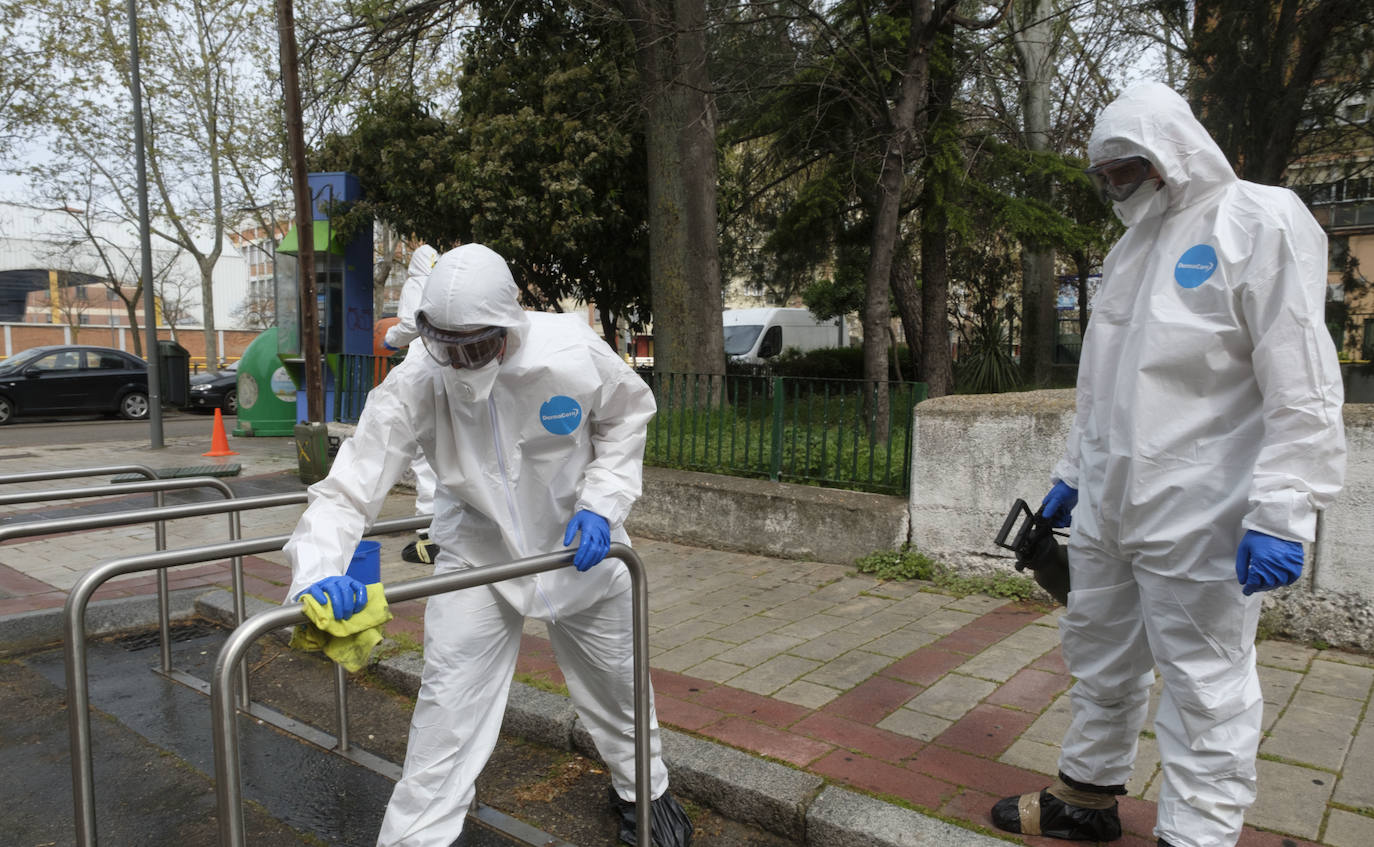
(43, 250)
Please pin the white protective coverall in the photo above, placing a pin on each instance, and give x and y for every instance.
(556, 425)
(399, 335)
(1209, 403)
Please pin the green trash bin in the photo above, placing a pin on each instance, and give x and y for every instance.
(173, 373)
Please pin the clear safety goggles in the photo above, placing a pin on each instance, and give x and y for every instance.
(459, 348)
(1118, 179)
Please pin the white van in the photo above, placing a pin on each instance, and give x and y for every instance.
(753, 336)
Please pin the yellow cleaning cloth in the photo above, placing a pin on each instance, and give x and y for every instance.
(348, 642)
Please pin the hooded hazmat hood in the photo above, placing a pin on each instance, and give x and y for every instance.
(1150, 119)
(471, 287)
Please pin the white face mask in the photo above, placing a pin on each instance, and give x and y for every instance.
(472, 385)
(1149, 200)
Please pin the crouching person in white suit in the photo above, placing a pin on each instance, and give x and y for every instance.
(535, 430)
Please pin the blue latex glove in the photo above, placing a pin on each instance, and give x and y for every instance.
(595, 541)
(1264, 562)
(386, 346)
(344, 594)
(1058, 504)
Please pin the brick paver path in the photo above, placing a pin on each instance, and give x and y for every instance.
(944, 703)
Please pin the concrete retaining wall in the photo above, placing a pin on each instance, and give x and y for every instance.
(974, 455)
(769, 518)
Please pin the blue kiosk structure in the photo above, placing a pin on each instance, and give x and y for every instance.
(344, 293)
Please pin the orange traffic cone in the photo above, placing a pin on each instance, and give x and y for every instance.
(219, 444)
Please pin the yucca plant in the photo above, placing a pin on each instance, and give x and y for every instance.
(988, 367)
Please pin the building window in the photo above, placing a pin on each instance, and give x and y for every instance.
(1338, 252)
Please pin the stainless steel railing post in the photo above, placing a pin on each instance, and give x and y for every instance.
(340, 704)
(74, 618)
(74, 473)
(164, 611)
(158, 487)
(228, 788)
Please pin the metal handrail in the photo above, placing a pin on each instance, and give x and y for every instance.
(74, 627)
(228, 791)
(157, 487)
(135, 487)
(73, 473)
(136, 516)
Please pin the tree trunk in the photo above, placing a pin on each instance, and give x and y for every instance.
(1080, 262)
(901, 131)
(937, 371)
(940, 188)
(608, 329)
(908, 299)
(131, 308)
(388, 240)
(1033, 36)
(207, 300)
(684, 258)
(1037, 316)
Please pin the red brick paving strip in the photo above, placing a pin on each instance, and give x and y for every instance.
(872, 700)
(858, 737)
(1030, 690)
(882, 778)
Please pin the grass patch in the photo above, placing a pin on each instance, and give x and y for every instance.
(541, 683)
(909, 563)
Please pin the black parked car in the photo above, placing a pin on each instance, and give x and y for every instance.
(215, 390)
(73, 379)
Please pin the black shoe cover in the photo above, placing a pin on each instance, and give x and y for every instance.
(1058, 820)
(422, 551)
(667, 820)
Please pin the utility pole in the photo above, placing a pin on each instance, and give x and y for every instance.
(145, 240)
(305, 224)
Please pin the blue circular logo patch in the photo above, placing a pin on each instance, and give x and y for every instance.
(560, 415)
(1195, 266)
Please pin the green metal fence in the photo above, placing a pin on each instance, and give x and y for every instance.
(356, 376)
(830, 432)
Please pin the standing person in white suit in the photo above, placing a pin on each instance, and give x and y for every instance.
(535, 430)
(1208, 435)
(422, 550)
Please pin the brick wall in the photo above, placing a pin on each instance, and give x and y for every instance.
(15, 337)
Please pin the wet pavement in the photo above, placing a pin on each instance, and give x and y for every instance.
(890, 694)
(151, 751)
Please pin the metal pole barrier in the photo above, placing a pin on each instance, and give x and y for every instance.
(74, 622)
(240, 601)
(73, 473)
(228, 790)
(157, 487)
(138, 516)
(340, 703)
(164, 611)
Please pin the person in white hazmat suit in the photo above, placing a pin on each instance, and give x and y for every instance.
(1207, 437)
(400, 334)
(535, 429)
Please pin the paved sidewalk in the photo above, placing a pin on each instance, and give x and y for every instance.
(939, 703)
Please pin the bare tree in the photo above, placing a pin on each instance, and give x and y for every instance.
(206, 112)
(102, 250)
(176, 294)
(258, 311)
